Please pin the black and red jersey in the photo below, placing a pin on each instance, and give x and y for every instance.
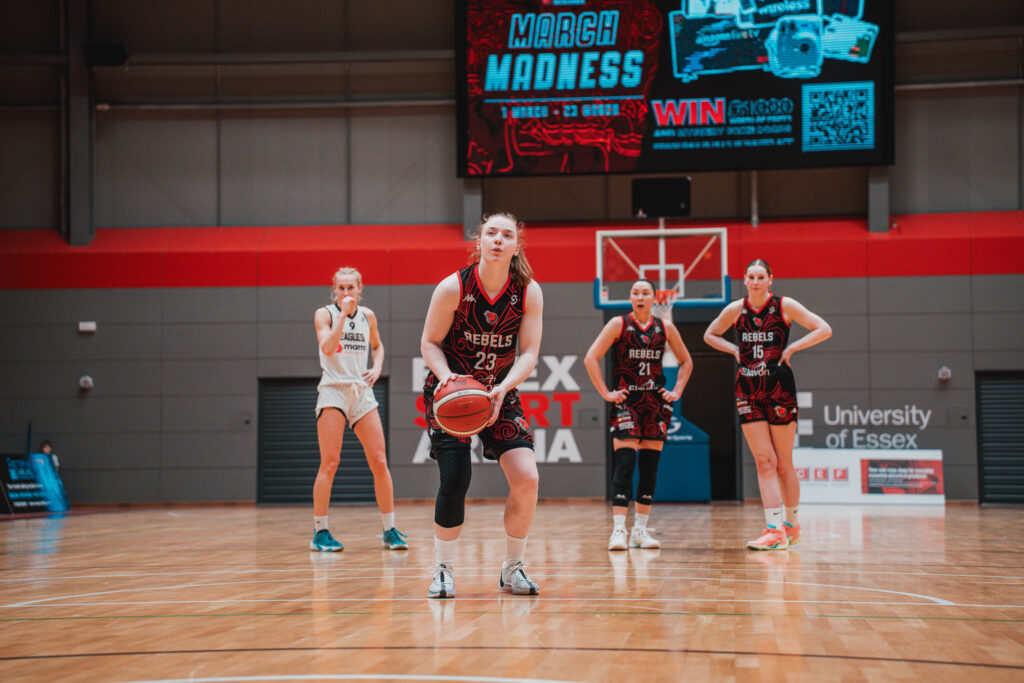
(484, 335)
(762, 335)
(638, 356)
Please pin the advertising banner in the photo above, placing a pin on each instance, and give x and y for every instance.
(870, 476)
(31, 483)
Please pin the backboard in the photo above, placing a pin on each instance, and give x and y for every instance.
(692, 261)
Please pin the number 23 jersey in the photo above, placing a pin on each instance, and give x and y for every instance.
(484, 335)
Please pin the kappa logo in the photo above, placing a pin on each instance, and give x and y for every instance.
(470, 298)
(629, 329)
(491, 317)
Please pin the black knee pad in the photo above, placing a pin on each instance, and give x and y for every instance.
(623, 461)
(456, 471)
(648, 478)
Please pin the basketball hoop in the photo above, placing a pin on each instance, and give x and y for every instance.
(664, 299)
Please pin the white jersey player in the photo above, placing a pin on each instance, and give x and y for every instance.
(347, 336)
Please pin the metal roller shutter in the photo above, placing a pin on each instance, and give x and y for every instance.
(288, 452)
(1001, 437)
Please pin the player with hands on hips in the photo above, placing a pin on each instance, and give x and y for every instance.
(643, 406)
(478, 317)
(766, 392)
(347, 335)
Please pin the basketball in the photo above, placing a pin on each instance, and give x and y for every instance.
(462, 407)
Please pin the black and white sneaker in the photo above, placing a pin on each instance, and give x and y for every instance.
(443, 586)
(514, 580)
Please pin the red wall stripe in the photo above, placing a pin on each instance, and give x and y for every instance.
(918, 245)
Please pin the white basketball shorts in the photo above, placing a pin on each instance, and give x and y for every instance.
(353, 399)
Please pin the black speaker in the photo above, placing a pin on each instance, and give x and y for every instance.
(661, 197)
(105, 54)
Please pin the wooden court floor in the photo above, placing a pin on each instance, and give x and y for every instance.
(231, 593)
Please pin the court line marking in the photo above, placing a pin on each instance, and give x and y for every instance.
(660, 572)
(654, 612)
(353, 677)
(532, 648)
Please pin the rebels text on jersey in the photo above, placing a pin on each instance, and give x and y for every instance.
(638, 355)
(762, 335)
(484, 335)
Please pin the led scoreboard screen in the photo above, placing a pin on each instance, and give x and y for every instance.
(549, 87)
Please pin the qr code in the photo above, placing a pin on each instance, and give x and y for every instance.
(838, 116)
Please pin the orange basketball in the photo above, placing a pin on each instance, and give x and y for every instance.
(462, 407)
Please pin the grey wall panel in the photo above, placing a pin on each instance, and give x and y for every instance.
(208, 413)
(88, 414)
(209, 450)
(154, 171)
(410, 302)
(287, 340)
(849, 333)
(29, 169)
(572, 481)
(786, 192)
(288, 367)
(186, 26)
(716, 194)
(846, 370)
(273, 26)
(285, 170)
(115, 341)
(823, 296)
(210, 305)
(411, 25)
(961, 481)
(920, 295)
(998, 331)
(111, 450)
(996, 292)
(27, 26)
(209, 377)
(209, 340)
(220, 484)
(69, 306)
(403, 168)
(540, 199)
(919, 370)
(114, 486)
(975, 173)
(926, 332)
(999, 360)
(293, 304)
(59, 378)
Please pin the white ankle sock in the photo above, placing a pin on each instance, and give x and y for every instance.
(388, 520)
(514, 548)
(444, 551)
(618, 522)
(773, 516)
(791, 515)
(319, 522)
(640, 521)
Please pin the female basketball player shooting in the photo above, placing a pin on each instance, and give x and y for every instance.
(643, 409)
(766, 392)
(346, 333)
(478, 317)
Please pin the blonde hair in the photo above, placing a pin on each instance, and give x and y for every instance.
(520, 269)
(347, 270)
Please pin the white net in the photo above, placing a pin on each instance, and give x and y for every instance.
(664, 299)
